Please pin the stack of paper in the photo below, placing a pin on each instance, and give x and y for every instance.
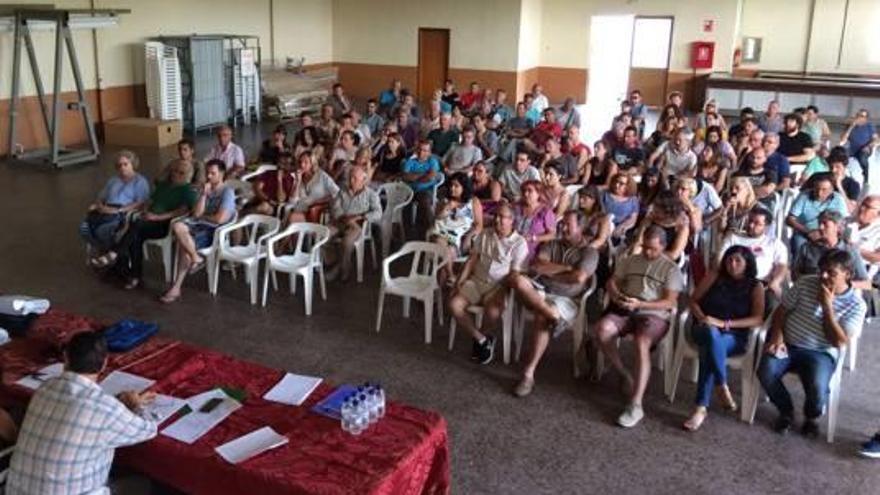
(120, 381)
(250, 445)
(34, 380)
(194, 425)
(293, 390)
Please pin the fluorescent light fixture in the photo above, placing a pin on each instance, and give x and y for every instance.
(77, 22)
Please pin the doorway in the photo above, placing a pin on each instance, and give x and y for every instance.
(610, 52)
(649, 65)
(433, 61)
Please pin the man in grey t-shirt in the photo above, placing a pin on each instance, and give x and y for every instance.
(462, 157)
(644, 291)
(562, 269)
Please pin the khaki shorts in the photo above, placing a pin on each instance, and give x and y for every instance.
(476, 292)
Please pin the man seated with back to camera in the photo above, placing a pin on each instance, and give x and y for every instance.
(72, 427)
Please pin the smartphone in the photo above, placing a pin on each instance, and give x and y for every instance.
(210, 405)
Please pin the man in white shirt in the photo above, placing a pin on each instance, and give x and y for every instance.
(866, 233)
(770, 253)
(540, 102)
(230, 153)
(72, 427)
(496, 254)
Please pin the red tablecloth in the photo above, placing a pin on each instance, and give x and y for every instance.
(404, 453)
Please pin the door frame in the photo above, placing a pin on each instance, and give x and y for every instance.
(419, 59)
(668, 51)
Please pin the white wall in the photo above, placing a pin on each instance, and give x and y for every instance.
(785, 30)
(531, 20)
(302, 28)
(484, 34)
(566, 28)
(782, 45)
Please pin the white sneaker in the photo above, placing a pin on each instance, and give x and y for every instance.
(631, 416)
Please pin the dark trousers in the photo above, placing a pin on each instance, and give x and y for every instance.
(814, 369)
(131, 246)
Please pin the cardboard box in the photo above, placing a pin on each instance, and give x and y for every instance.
(150, 133)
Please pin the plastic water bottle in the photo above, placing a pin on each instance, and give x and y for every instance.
(364, 416)
(373, 404)
(345, 413)
(380, 399)
(356, 412)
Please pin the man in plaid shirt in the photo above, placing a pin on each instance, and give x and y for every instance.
(72, 427)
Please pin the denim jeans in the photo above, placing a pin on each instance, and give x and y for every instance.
(863, 156)
(98, 230)
(814, 369)
(714, 347)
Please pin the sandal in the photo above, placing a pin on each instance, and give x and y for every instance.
(196, 266)
(168, 299)
(133, 283)
(105, 260)
(726, 399)
(696, 420)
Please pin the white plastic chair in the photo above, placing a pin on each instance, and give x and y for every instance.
(5, 454)
(360, 246)
(572, 191)
(166, 248)
(436, 186)
(745, 362)
(834, 391)
(507, 322)
(397, 196)
(664, 353)
(579, 328)
(421, 283)
(258, 228)
(266, 167)
(210, 253)
(301, 263)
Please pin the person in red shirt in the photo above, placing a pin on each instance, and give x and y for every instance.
(546, 129)
(471, 100)
(273, 188)
(578, 149)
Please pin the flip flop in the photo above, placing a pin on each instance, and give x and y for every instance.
(196, 267)
(169, 299)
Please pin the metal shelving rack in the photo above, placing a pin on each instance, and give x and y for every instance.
(23, 21)
(214, 89)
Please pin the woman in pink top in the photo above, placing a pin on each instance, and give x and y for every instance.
(533, 219)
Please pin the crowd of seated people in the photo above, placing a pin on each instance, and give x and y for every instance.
(767, 208)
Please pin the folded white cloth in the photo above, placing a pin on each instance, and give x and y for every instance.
(23, 305)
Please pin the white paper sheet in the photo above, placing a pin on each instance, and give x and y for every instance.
(194, 425)
(120, 381)
(250, 445)
(34, 380)
(162, 408)
(292, 389)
